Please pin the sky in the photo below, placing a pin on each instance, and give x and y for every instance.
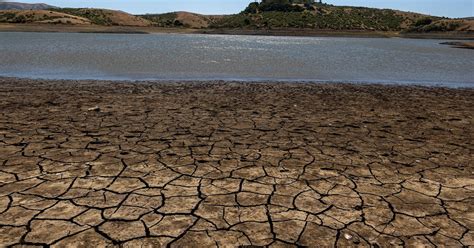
(449, 8)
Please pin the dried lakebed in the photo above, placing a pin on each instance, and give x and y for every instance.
(229, 164)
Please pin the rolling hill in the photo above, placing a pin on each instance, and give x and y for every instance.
(41, 17)
(268, 15)
(107, 17)
(74, 17)
(183, 19)
(317, 17)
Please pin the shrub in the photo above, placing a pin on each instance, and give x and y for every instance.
(453, 26)
(423, 22)
(252, 8)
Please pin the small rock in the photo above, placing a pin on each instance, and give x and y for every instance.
(396, 242)
(347, 236)
(96, 109)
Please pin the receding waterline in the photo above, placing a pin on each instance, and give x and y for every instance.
(455, 85)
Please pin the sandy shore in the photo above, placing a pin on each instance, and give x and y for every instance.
(205, 164)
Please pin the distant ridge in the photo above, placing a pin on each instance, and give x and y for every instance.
(25, 6)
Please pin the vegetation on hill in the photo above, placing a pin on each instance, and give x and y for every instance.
(429, 24)
(164, 20)
(107, 17)
(181, 19)
(96, 16)
(296, 14)
(266, 15)
(314, 16)
(320, 17)
(73, 16)
(40, 16)
(279, 5)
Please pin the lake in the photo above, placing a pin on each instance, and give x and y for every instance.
(224, 57)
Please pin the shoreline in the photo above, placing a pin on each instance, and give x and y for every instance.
(157, 83)
(463, 45)
(190, 81)
(7, 27)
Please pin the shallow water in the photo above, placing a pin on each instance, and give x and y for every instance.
(209, 57)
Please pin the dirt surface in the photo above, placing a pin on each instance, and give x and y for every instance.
(464, 45)
(92, 164)
(64, 28)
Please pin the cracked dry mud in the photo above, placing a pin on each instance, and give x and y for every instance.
(234, 164)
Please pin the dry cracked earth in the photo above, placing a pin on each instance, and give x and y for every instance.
(234, 164)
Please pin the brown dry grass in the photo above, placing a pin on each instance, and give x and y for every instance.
(119, 18)
(46, 16)
(125, 19)
(192, 20)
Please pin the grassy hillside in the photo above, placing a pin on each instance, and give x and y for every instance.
(181, 19)
(428, 24)
(74, 16)
(268, 15)
(40, 16)
(321, 18)
(107, 17)
(315, 16)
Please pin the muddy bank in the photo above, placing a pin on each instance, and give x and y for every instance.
(235, 164)
(6, 27)
(458, 44)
